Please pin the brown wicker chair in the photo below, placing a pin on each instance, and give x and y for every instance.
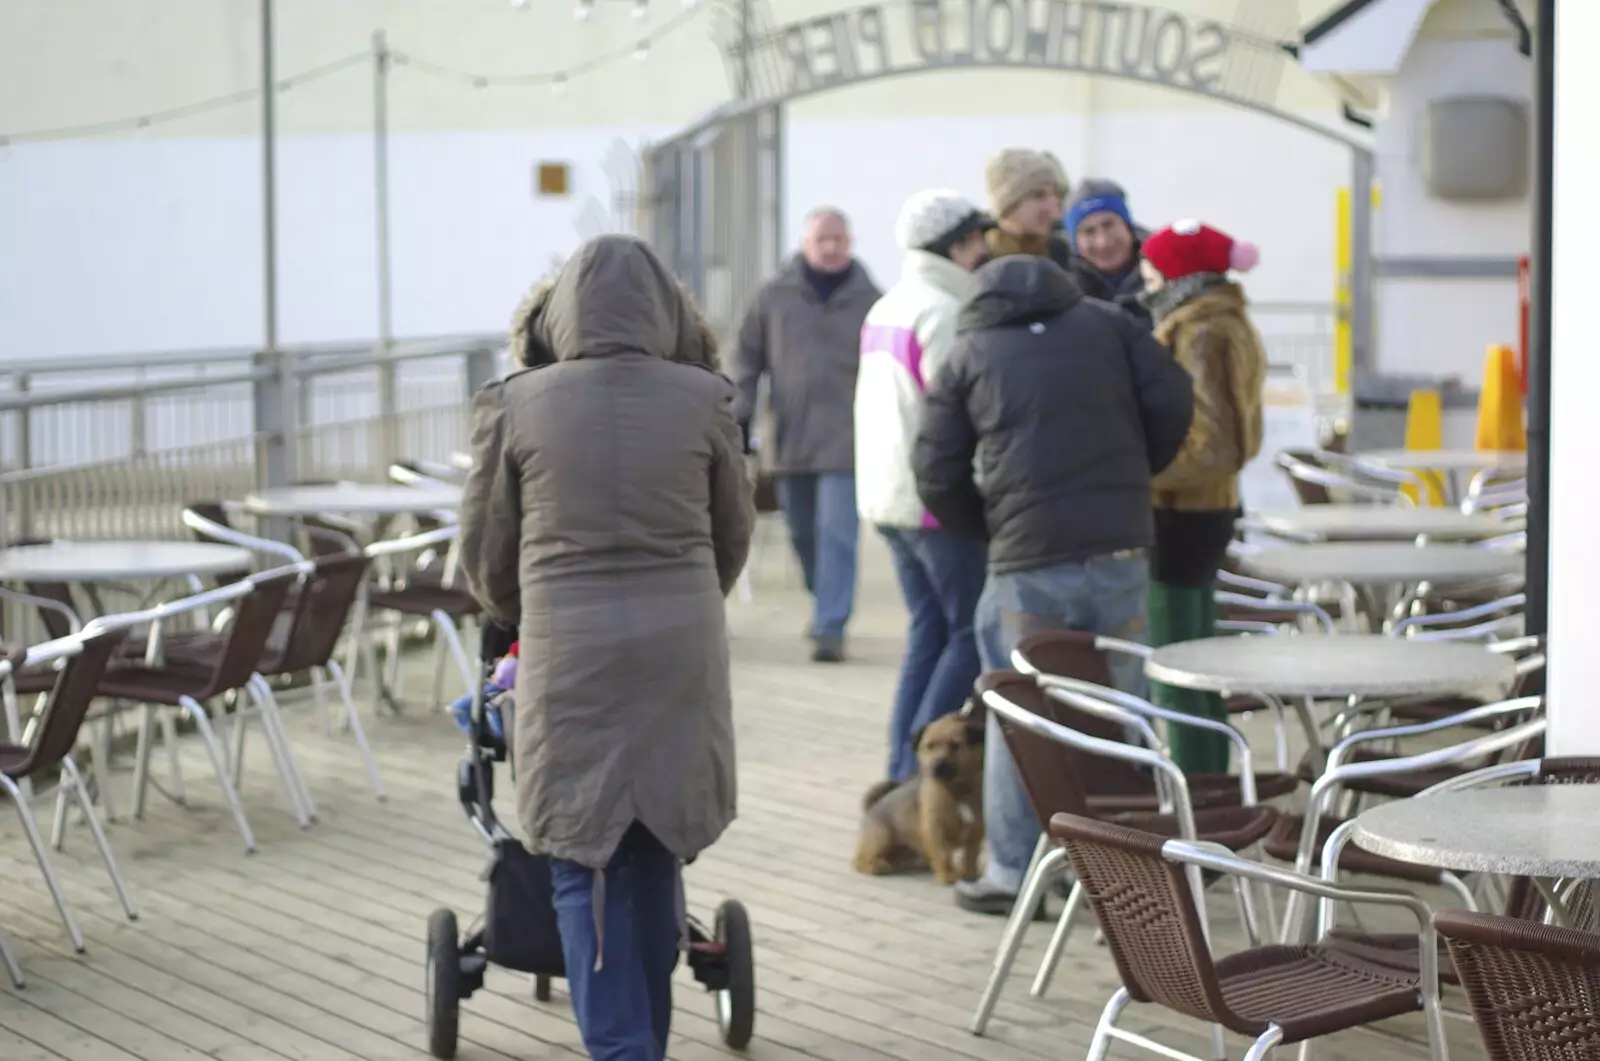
(256, 604)
(58, 611)
(1114, 786)
(50, 749)
(1142, 888)
(1052, 737)
(1303, 840)
(303, 641)
(1522, 899)
(441, 602)
(1532, 987)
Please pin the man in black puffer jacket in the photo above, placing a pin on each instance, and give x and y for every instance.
(1040, 433)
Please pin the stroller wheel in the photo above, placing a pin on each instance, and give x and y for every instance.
(736, 1004)
(541, 988)
(443, 983)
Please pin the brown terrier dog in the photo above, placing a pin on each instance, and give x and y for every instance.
(935, 820)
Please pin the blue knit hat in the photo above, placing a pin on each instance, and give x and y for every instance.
(1096, 196)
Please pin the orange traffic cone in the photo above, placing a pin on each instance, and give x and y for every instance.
(1425, 431)
(1500, 424)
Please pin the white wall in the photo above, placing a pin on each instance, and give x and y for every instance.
(1440, 327)
(133, 245)
(1575, 380)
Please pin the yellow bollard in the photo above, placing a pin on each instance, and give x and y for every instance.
(1500, 425)
(1425, 431)
(1342, 356)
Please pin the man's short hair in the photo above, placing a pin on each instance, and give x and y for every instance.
(819, 213)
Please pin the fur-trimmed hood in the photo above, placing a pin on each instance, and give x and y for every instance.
(613, 296)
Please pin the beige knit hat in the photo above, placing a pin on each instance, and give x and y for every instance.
(1061, 174)
(1018, 172)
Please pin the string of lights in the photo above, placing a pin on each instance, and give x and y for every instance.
(558, 79)
(140, 122)
(554, 78)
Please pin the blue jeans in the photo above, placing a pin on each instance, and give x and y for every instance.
(821, 512)
(624, 1008)
(941, 579)
(1102, 595)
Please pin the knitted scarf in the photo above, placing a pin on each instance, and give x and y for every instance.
(1175, 293)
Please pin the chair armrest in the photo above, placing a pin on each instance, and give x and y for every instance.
(1163, 767)
(18, 596)
(229, 536)
(58, 649)
(1084, 694)
(1477, 611)
(1219, 859)
(424, 474)
(1514, 645)
(1506, 623)
(1248, 626)
(125, 620)
(1332, 852)
(1260, 585)
(1111, 712)
(1352, 465)
(1499, 772)
(1337, 753)
(1338, 773)
(1125, 647)
(1239, 600)
(413, 543)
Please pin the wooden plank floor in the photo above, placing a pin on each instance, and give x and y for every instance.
(311, 948)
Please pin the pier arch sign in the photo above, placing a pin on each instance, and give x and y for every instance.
(1099, 37)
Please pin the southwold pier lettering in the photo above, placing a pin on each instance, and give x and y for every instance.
(1120, 39)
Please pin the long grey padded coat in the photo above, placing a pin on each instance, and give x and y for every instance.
(609, 512)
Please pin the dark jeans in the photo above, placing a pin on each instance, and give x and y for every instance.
(821, 512)
(624, 1008)
(941, 579)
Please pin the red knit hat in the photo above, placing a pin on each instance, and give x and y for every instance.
(1186, 247)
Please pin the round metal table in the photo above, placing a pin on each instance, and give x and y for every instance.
(352, 499)
(1546, 832)
(119, 561)
(1329, 665)
(1455, 466)
(1382, 563)
(1387, 523)
(1446, 460)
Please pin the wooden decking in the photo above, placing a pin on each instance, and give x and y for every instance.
(312, 948)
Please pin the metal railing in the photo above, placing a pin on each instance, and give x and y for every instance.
(117, 446)
(1300, 334)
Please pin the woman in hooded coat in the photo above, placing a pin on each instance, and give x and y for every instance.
(608, 513)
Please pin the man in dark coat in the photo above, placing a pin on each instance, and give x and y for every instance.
(803, 334)
(1040, 434)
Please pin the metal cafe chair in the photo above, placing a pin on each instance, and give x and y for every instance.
(1040, 727)
(1144, 891)
(160, 687)
(84, 658)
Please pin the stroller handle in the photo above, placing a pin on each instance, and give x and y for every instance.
(495, 641)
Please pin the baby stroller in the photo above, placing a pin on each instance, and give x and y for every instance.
(518, 930)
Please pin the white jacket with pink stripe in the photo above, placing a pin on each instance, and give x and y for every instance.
(906, 336)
